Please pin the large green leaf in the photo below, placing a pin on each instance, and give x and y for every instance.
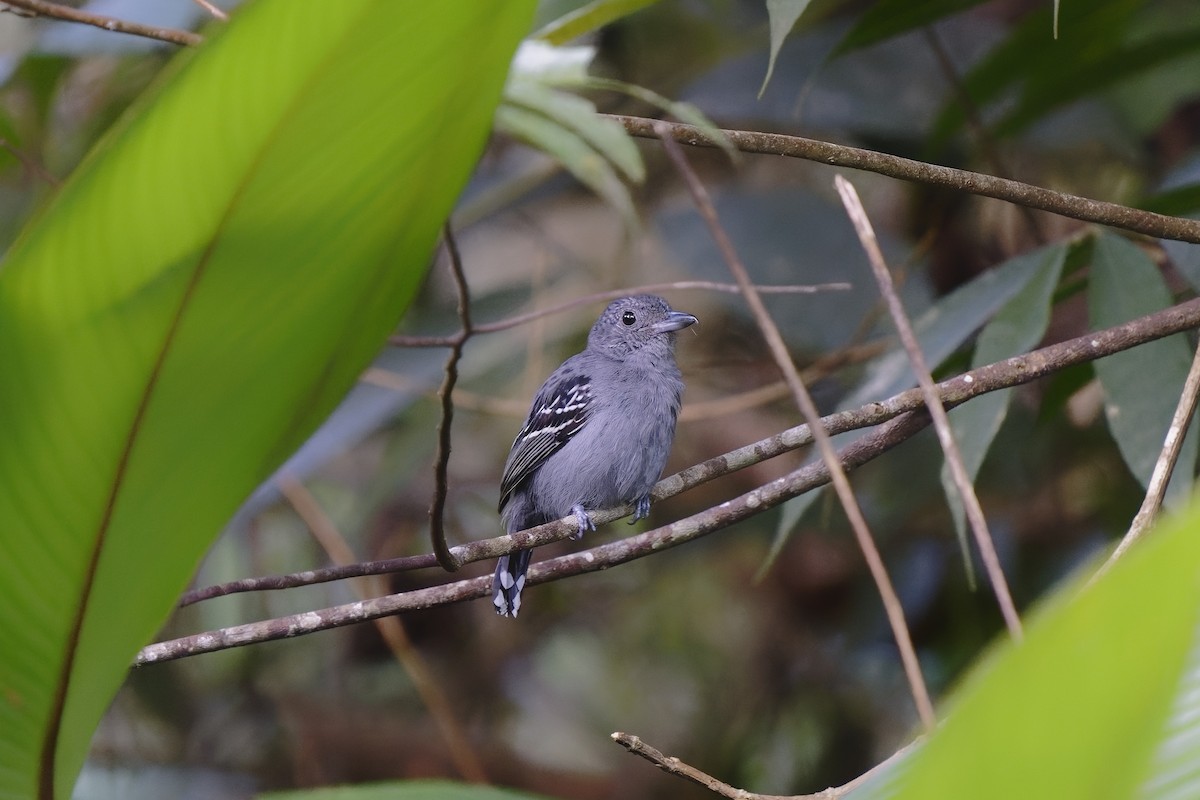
(1142, 386)
(195, 300)
(1099, 701)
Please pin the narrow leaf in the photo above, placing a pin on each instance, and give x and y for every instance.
(587, 18)
(578, 115)
(783, 15)
(1016, 328)
(940, 331)
(1141, 386)
(888, 18)
(572, 151)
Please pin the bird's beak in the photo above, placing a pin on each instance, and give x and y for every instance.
(676, 320)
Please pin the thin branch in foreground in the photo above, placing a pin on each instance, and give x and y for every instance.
(1021, 194)
(941, 422)
(954, 391)
(441, 466)
(404, 340)
(674, 766)
(45, 8)
(391, 630)
(1165, 465)
(783, 359)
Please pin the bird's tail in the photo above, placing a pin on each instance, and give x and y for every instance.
(508, 582)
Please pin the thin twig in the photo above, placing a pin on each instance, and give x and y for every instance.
(44, 8)
(779, 351)
(674, 766)
(437, 509)
(402, 340)
(954, 391)
(1164, 466)
(1022, 194)
(941, 422)
(391, 629)
(212, 9)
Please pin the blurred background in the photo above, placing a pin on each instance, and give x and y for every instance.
(761, 653)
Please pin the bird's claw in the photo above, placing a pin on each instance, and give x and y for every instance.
(641, 509)
(585, 522)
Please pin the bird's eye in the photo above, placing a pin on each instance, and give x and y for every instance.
(628, 318)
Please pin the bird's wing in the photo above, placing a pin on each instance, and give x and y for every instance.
(559, 411)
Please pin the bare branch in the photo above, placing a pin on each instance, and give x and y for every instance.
(941, 422)
(437, 509)
(993, 377)
(600, 557)
(779, 351)
(1021, 194)
(674, 766)
(44, 8)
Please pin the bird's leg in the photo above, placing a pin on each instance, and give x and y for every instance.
(641, 508)
(585, 522)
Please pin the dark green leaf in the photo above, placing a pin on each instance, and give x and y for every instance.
(1016, 328)
(1141, 386)
(888, 18)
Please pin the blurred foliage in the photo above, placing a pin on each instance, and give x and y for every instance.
(788, 683)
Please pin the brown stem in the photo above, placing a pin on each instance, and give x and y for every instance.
(1021, 194)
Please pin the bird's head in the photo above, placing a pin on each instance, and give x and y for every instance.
(633, 323)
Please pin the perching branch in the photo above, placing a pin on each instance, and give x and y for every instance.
(941, 422)
(1002, 374)
(808, 408)
(600, 557)
(1021, 194)
(44, 8)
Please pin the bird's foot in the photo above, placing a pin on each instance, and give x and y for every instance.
(585, 521)
(641, 509)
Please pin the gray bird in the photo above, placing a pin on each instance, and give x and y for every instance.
(598, 433)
